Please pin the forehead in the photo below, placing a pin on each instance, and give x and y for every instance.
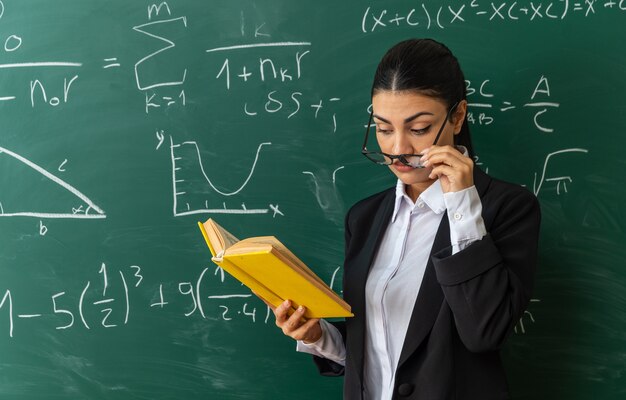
(396, 104)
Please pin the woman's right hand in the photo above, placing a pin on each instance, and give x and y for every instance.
(296, 326)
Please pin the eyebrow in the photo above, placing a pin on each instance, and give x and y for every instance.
(406, 120)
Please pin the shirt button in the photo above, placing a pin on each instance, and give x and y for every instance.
(420, 205)
(457, 216)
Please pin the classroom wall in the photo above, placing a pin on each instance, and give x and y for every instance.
(124, 123)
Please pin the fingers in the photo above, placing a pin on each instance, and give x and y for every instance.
(295, 325)
(290, 323)
(442, 170)
(445, 155)
(448, 163)
(282, 313)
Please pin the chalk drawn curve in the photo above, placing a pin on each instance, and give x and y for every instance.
(256, 158)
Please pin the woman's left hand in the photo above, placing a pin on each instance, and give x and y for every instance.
(454, 170)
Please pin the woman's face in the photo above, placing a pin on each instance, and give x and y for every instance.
(407, 123)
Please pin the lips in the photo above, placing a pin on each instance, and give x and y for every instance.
(398, 166)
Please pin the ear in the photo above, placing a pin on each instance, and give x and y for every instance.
(458, 117)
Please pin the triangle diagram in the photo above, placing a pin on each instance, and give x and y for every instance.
(28, 190)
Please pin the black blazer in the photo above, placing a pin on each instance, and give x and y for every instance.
(467, 305)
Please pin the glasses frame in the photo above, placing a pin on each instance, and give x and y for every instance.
(400, 157)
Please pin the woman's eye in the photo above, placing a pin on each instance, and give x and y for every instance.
(383, 131)
(421, 131)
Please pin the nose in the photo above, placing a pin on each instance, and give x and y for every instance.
(402, 144)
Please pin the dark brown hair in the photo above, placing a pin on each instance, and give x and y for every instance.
(429, 68)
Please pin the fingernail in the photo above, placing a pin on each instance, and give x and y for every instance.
(301, 308)
(425, 151)
(426, 163)
(286, 303)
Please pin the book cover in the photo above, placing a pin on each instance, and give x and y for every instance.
(272, 272)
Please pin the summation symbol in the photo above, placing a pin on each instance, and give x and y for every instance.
(150, 84)
(169, 45)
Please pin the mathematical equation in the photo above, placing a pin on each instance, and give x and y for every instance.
(429, 16)
(114, 310)
(164, 87)
(283, 70)
(263, 69)
(102, 305)
(541, 92)
(39, 93)
(545, 179)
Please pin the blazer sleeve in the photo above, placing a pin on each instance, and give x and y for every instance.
(488, 284)
(327, 367)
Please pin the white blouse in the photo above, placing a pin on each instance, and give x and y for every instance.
(396, 275)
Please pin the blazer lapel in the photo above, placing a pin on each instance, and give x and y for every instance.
(429, 299)
(481, 181)
(356, 276)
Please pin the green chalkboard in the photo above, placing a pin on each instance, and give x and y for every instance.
(124, 123)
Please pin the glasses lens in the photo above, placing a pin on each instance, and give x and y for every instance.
(378, 158)
(413, 160)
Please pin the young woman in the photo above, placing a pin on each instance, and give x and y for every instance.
(439, 269)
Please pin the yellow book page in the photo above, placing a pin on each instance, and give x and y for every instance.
(218, 238)
(214, 243)
(287, 283)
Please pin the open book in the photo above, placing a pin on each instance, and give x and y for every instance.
(272, 272)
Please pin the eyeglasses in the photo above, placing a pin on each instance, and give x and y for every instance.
(412, 160)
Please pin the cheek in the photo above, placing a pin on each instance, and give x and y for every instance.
(384, 143)
(447, 137)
